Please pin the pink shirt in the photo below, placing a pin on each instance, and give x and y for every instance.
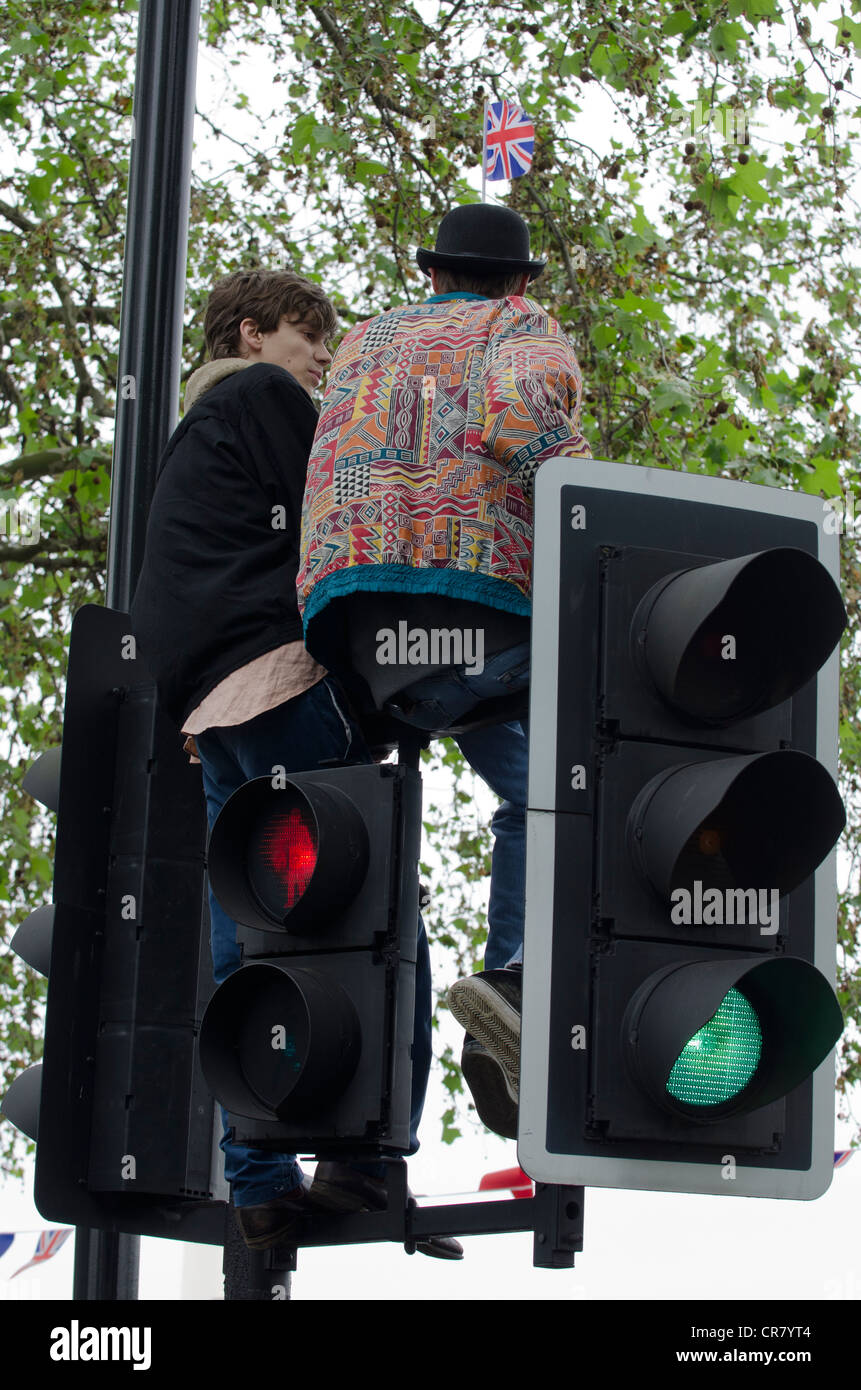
(259, 686)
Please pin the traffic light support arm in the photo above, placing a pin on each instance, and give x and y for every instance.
(554, 1214)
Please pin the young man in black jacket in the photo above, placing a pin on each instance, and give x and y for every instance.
(216, 619)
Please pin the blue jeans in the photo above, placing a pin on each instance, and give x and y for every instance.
(299, 735)
(500, 755)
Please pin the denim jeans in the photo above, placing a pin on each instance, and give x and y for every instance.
(299, 734)
(499, 754)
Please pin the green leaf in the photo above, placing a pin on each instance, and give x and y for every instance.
(716, 454)
(854, 35)
(410, 61)
(641, 224)
(746, 180)
(725, 38)
(631, 303)
(677, 23)
(754, 10)
(324, 135)
(369, 169)
(710, 364)
(824, 477)
(670, 393)
(603, 335)
(23, 44)
(302, 133)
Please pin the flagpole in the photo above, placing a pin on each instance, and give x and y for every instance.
(484, 151)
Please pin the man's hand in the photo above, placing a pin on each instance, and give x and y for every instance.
(190, 747)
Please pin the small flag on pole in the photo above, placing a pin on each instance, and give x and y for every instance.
(48, 1244)
(509, 140)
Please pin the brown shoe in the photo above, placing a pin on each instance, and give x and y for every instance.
(337, 1187)
(272, 1223)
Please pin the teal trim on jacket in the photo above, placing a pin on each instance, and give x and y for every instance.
(475, 588)
(455, 294)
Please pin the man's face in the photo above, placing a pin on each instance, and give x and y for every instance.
(298, 347)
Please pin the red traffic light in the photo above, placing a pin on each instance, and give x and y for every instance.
(287, 853)
(283, 856)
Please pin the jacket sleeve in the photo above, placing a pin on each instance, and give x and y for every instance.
(277, 423)
(531, 384)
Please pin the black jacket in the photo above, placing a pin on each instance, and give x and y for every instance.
(218, 583)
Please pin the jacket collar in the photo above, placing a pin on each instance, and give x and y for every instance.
(209, 375)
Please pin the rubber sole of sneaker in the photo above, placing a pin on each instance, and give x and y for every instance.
(494, 1023)
(486, 1079)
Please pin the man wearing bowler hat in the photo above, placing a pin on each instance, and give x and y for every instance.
(415, 569)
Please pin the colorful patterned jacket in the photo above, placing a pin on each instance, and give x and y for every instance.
(435, 419)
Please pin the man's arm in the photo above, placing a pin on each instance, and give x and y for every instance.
(277, 422)
(532, 384)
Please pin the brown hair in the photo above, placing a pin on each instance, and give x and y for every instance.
(494, 286)
(264, 296)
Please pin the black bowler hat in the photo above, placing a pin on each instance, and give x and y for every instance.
(483, 238)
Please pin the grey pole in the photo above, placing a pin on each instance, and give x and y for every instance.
(154, 271)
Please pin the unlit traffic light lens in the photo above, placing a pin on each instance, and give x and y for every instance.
(721, 1057)
(726, 641)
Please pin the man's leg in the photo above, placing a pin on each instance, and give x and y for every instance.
(255, 1175)
(488, 1005)
(499, 754)
(298, 736)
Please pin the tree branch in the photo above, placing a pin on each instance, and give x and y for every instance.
(69, 311)
(45, 463)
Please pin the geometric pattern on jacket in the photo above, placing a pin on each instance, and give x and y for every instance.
(434, 422)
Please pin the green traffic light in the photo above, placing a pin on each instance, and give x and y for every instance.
(719, 1060)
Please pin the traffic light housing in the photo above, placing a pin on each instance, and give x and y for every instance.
(680, 899)
(119, 1110)
(308, 1043)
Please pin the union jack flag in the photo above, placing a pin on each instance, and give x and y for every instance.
(509, 139)
(48, 1244)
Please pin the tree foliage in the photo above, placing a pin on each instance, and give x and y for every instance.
(708, 284)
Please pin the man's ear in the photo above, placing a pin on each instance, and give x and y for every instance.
(250, 337)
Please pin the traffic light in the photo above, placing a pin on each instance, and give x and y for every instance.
(681, 899)
(307, 1045)
(118, 1106)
